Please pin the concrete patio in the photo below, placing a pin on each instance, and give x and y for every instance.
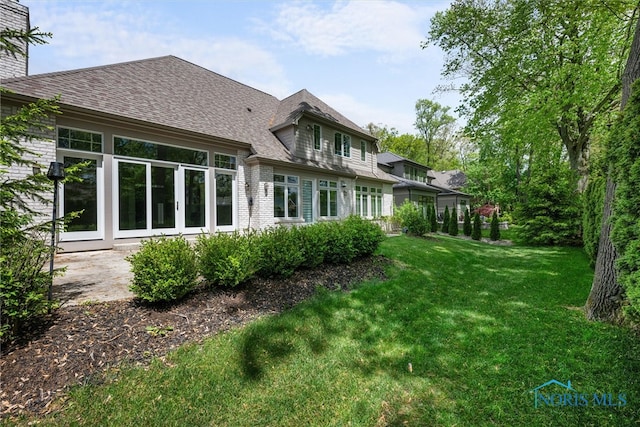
(92, 276)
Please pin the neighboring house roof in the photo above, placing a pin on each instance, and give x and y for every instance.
(453, 179)
(389, 159)
(407, 183)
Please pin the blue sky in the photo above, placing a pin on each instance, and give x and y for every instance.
(362, 57)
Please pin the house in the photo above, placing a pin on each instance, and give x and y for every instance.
(414, 181)
(173, 148)
(451, 183)
(423, 186)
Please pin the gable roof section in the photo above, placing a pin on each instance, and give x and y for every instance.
(167, 91)
(304, 102)
(452, 179)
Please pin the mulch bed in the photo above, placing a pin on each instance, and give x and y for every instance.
(76, 344)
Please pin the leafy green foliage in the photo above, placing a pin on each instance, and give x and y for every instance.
(495, 227)
(340, 247)
(228, 259)
(453, 222)
(411, 219)
(445, 220)
(466, 228)
(548, 84)
(23, 280)
(280, 252)
(550, 215)
(164, 269)
(624, 153)
(23, 247)
(365, 234)
(593, 205)
(476, 233)
(313, 245)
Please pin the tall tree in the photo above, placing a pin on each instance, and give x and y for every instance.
(605, 298)
(434, 125)
(556, 63)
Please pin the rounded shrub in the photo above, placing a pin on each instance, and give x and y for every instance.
(411, 218)
(164, 269)
(365, 234)
(313, 245)
(227, 259)
(280, 252)
(340, 248)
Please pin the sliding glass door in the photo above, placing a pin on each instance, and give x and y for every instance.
(154, 198)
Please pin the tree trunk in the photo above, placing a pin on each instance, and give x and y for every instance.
(606, 293)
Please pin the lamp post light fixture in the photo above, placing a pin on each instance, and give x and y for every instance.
(55, 173)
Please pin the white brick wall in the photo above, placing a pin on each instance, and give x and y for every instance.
(15, 16)
(44, 152)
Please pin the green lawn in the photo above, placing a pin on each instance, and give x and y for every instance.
(459, 335)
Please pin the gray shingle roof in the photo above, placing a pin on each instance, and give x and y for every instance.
(167, 91)
(452, 179)
(304, 102)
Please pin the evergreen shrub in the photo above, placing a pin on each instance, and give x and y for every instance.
(495, 227)
(466, 228)
(164, 269)
(453, 222)
(476, 232)
(280, 252)
(445, 220)
(227, 259)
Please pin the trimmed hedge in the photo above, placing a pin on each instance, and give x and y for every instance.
(227, 259)
(166, 269)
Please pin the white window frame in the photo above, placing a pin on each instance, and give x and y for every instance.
(313, 137)
(286, 184)
(98, 234)
(329, 189)
(363, 150)
(345, 145)
(234, 199)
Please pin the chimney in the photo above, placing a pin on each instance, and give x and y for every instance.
(14, 16)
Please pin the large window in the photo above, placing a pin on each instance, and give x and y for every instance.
(154, 151)
(224, 199)
(368, 201)
(164, 189)
(415, 174)
(286, 191)
(75, 139)
(224, 161)
(317, 137)
(342, 145)
(328, 192)
(423, 204)
(85, 197)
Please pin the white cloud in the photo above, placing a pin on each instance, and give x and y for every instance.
(104, 33)
(390, 28)
(363, 114)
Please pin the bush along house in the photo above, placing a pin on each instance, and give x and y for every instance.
(173, 148)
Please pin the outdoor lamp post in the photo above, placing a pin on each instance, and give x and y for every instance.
(55, 173)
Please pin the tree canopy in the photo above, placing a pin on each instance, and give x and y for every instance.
(538, 73)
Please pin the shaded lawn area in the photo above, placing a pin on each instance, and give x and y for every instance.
(459, 335)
